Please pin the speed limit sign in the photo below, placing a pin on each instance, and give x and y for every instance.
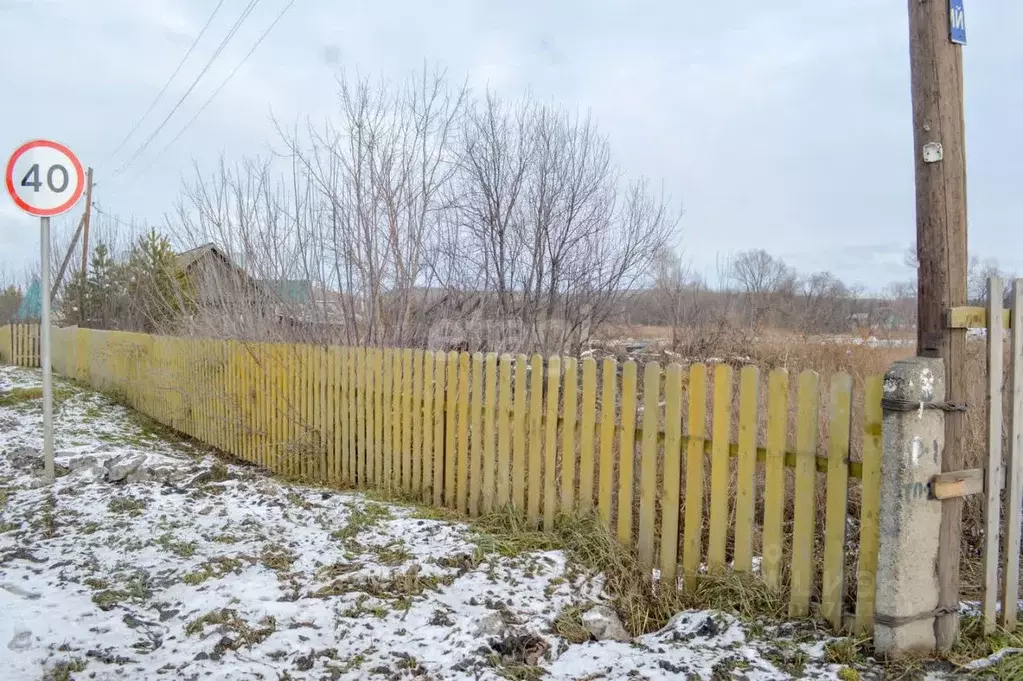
(44, 178)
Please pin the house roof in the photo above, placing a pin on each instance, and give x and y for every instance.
(186, 259)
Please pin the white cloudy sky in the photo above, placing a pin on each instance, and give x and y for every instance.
(781, 125)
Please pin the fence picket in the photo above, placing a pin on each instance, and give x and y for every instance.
(346, 415)
(692, 540)
(489, 425)
(311, 402)
(805, 504)
(670, 497)
(648, 463)
(837, 503)
(587, 450)
(439, 423)
(535, 464)
(627, 454)
(406, 420)
(609, 378)
(361, 417)
(550, 488)
(1014, 475)
(745, 485)
(388, 419)
(519, 439)
(568, 425)
(504, 432)
(719, 467)
(870, 503)
(462, 471)
(372, 382)
(476, 435)
(777, 421)
(417, 421)
(995, 467)
(450, 439)
(428, 451)
(333, 412)
(394, 480)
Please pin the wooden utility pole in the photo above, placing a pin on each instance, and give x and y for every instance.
(936, 70)
(85, 244)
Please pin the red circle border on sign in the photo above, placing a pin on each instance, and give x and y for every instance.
(62, 208)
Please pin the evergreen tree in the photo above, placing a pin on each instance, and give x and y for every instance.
(157, 289)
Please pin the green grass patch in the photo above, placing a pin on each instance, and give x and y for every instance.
(214, 568)
(277, 557)
(361, 519)
(235, 631)
(181, 549)
(19, 397)
(132, 507)
(16, 396)
(62, 670)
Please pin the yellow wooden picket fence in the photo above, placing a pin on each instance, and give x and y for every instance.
(19, 344)
(478, 432)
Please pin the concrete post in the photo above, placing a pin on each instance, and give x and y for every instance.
(907, 574)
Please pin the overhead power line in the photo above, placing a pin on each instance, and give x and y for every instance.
(220, 87)
(163, 90)
(220, 48)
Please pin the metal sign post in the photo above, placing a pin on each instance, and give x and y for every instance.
(45, 179)
(44, 347)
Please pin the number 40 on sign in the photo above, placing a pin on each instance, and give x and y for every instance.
(45, 178)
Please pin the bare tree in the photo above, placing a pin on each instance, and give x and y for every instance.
(764, 282)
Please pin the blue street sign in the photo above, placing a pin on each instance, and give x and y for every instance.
(956, 22)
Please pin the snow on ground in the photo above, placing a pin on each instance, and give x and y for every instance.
(148, 558)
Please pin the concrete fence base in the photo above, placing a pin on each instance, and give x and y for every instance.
(910, 520)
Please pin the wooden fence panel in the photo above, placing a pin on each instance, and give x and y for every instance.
(477, 432)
